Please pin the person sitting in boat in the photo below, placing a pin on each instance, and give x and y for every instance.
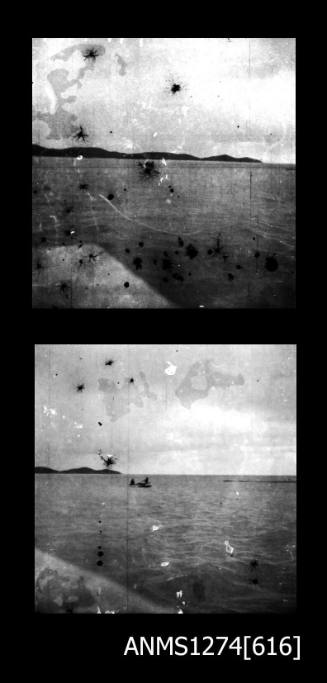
(132, 482)
(146, 480)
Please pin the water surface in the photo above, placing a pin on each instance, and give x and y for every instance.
(238, 218)
(153, 543)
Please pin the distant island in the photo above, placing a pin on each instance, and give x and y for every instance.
(99, 153)
(76, 470)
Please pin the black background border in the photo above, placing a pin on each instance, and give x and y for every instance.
(86, 641)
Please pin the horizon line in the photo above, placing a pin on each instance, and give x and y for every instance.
(173, 474)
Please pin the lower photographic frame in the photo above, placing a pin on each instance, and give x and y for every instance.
(165, 486)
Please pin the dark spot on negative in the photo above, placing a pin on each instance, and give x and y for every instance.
(131, 380)
(256, 254)
(179, 277)
(64, 287)
(126, 284)
(191, 251)
(69, 209)
(137, 263)
(148, 168)
(180, 242)
(210, 251)
(109, 362)
(166, 264)
(100, 424)
(127, 251)
(91, 53)
(254, 563)
(218, 248)
(141, 244)
(80, 134)
(230, 276)
(39, 265)
(80, 387)
(238, 267)
(99, 563)
(100, 553)
(83, 186)
(43, 239)
(175, 88)
(271, 263)
(255, 581)
(111, 196)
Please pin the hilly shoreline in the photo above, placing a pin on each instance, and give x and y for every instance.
(76, 470)
(99, 153)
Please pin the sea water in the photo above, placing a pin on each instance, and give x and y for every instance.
(212, 234)
(162, 549)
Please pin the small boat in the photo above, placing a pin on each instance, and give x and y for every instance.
(145, 484)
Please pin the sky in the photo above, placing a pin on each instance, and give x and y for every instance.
(236, 95)
(167, 409)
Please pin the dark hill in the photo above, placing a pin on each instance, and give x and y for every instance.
(77, 470)
(88, 470)
(226, 157)
(97, 152)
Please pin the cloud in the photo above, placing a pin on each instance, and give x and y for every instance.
(233, 424)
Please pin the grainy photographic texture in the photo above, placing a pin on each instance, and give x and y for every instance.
(163, 172)
(165, 479)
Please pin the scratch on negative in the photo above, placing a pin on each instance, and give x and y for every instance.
(145, 225)
(128, 218)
